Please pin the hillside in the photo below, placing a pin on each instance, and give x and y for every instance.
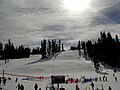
(67, 63)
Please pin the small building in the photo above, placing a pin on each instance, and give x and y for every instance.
(57, 79)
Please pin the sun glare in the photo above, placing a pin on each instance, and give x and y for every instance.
(76, 5)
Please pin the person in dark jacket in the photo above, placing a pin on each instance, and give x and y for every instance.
(116, 79)
(92, 84)
(77, 87)
(109, 88)
(22, 87)
(36, 86)
(4, 81)
(16, 80)
(18, 86)
(0, 80)
(39, 88)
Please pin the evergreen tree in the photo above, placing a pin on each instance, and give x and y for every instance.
(1, 49)
(89, 47)
(79, 47)
(43, 48)
(53, 46)
(35, 51)
(59, 48)
(49, 47)
(84, 46)
(116, 39)
(63, 47)
(106, 49)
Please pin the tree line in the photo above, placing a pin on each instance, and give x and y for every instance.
(106, 49)
(47, 47)
(9, 51)
(50, 47)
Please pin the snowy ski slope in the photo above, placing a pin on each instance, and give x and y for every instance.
(66, 63)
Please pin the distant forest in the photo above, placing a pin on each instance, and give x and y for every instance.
(106, 50)
(47, 47)
(9, 51)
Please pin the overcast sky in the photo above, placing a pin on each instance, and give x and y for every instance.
(29, 21)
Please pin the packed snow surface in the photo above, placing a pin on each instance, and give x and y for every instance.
(67, 63)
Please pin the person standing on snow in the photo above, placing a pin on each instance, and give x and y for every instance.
(76, 87)
(18, 86)
(104, 78)
(92, 84)
(22, 87)
(16, 80)
(36, 86)
(109, 88)
(4, 81)
(57, 86)
(0, 80)
(116, 79)
(113, 75)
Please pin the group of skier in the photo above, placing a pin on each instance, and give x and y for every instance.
(20, 87)
(92, 85)
(3, 80)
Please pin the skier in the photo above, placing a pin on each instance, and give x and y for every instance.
(92, 84)
(76, 87)
(96, 79)
(4, 81)
(36, 86)
(100, 79)
(0, 80)
(116, 79)
(57, 86)
(22, 87)
(113, 75)
(16, 80)
(109, 88)
(106, 79)
(18, 86)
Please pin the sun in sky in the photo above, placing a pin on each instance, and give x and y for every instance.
(76, 5)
